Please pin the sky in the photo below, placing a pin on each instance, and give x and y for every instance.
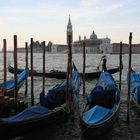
(46, 20)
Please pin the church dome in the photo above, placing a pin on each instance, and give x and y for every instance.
(93, 36)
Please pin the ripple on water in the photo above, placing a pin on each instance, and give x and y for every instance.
(72, 131)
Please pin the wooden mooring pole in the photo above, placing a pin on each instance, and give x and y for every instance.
(27, 71)
(32, 79)
(121, 65)
(15, 73)
(129, 77)
(5, 64)
(70, 67)
(67, 80)
(70, 77)
(84, 64)
(67, 83)
(43, 88)
(69, 73)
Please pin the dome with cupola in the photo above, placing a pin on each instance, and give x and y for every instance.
(93, 36)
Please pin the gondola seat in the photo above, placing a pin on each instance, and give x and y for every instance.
(97, 115)
(103, 97)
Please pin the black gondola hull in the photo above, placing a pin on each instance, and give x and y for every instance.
(91, 131)
(10, 130)
(62, 75)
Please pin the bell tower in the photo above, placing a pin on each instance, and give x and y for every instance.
(69, 30)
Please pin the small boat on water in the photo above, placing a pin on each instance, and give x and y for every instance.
(62, 75)
(50, 110)
(135, 87)
(102, 108)
(10, 85)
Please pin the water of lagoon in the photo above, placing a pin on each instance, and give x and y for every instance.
(72, 131)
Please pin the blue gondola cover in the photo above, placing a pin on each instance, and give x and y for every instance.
(10, 84)
(135, 86)
(105, 80)
(57, 95)
(31, 113)
(96, 115)
(105, 92)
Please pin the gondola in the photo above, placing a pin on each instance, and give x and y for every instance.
(10, 85)
(135, 88)
(50, 110)
(102, 107)
(62, 75)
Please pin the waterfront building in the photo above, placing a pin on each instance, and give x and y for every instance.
(93, 44)
(59, 48)
(125, 48)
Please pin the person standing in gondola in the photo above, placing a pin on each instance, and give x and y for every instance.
(104, 60)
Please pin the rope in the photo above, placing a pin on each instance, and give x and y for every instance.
(66, 109)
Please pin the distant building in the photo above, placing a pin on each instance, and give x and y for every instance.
(93, 44)
(20, 49)
(62, 48)
(37, 47)
(69, 31)
(58, 48)
(106, 45)
(125, 48)
(136, 48)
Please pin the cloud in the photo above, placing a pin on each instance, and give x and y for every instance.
(91, 8)
(95, 8)
(47, 17)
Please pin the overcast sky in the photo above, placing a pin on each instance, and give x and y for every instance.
(46, 20)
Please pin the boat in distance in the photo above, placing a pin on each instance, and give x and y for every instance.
(62, 75)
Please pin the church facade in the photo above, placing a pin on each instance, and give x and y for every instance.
(93, 44)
